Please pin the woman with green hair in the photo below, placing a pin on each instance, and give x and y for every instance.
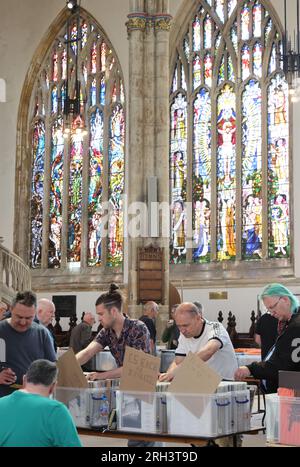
(285, 354)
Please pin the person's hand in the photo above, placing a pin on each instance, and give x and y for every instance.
(241, 373)
(166, 377)
(94, 376)
(7, 376)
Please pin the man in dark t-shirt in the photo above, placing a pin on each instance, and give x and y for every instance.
(150, 313)
(266, 333)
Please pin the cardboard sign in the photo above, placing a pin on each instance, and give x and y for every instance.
(194, 377)
(70, 374)
(140, 371)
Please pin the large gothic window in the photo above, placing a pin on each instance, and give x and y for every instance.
(77, 178)
(229, 138)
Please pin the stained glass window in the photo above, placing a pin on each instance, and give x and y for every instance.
(229, 138)
(77, 182)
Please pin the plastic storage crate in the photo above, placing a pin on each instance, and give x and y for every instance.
(141, 412)
(199, 414)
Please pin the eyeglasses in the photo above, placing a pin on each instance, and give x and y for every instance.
(272, 308)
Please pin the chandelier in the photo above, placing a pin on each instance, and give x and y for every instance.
(73, 104)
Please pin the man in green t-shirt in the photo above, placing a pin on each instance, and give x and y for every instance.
(30, 419)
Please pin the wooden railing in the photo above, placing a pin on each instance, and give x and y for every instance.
(14, 275)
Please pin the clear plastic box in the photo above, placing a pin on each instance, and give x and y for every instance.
(90, 408)
(141, 412)
(199, 414)
(283, 419)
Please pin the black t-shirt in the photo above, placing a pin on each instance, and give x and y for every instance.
(267, 329)
(150, 325)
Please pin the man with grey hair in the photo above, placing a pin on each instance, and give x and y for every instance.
(45, 312)
(149, 316)
(30, 419)
(208, 340)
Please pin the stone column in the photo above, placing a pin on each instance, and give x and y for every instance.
(148, 29)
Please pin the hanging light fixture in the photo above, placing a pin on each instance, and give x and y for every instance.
(291, 46)
(73, 118)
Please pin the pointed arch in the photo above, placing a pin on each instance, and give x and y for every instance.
(235, 190)
(69, 191)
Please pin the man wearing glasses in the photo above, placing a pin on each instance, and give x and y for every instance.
(283, 305)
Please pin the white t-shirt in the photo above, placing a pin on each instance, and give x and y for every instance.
(224, 361)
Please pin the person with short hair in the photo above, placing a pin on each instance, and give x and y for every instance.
(208, 340)
(45, 312)
(118, 332)
(284, 355)
(149, 316)
(30, 419)
(171, 332)
(81, 335)
(24, 340)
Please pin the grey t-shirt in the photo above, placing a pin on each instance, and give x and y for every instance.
(22, 348)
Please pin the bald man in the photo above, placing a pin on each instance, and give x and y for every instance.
(208, 340)
(149, 316)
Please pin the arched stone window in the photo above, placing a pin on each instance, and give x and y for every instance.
(76, 180)
(229, 142)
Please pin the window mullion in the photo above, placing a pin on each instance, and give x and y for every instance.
(46, 202)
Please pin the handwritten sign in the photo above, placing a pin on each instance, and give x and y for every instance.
(193, 377)
(140, 371)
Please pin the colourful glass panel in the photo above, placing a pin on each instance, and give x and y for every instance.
(230, 71)
(245, 58)
(221, 75)
(116, 188)
(245, 21)
(196, 72)
(231, 6)
(55, 67)
(75, 199)
(114, 94)
(208, 68)
(196, 35)
(208, 30)
(94, 58)
(186, 47)
(122, 94)
(95, 207)
(84, 34)
(219, 7)
(178, 173)
(84, 72)
(272, 64)
(73, 37)
(268, 30)
(252, 172)
(278, 168)
(226, 174)
(175, 80)
(37, 193)
(54, 100)
(183, 80)
(56, 194)
(257, 60)
(64, 64)
(103, 50)
(93, 92)
(103, 91)
(234, 38)
(202, 177)
(257, 11)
